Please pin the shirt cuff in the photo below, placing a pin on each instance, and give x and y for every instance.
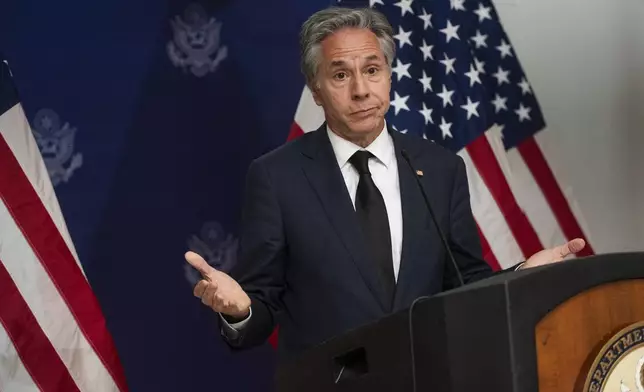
(232, 330)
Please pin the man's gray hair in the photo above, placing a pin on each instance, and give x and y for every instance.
(327, 21)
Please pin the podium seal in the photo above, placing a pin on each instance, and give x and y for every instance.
(619, 365)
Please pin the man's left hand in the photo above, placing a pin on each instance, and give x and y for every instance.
(553, 255)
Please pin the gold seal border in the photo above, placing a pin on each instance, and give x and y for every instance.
(617, 336)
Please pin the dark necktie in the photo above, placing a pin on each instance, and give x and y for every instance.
(372, 213)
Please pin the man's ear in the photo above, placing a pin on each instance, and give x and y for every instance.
(315, 94)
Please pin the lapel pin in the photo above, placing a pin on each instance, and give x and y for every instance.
(419, 173)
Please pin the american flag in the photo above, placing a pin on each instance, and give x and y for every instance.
(457, 81)
(53, 335)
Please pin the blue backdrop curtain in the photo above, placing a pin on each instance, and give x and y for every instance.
(152, 112)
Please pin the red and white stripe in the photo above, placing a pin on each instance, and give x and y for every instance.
(52, 332)
(516, 199)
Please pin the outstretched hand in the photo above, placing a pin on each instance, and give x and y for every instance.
(556, 254)
(218, 290)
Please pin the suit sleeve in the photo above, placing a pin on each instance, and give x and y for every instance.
(260, 266)
(463, 238)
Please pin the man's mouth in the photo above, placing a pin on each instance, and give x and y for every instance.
(364, 112)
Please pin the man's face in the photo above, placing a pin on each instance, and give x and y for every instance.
(353, 83)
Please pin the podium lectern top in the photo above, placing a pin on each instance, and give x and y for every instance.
(480, 337)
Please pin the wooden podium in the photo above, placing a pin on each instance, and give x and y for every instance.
(549, 329)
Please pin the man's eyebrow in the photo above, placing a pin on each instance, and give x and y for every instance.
(340, 63)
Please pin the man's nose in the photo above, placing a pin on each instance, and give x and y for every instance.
(360, 88)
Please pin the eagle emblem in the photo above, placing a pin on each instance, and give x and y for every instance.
(217, 247)
(196, 38)
(56, 144)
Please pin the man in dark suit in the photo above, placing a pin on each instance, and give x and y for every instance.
(335, 230)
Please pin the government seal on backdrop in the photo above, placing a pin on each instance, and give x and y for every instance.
(56, 144)
(196, 38)
(216, 246)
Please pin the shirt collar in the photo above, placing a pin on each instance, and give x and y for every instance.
(382, 147)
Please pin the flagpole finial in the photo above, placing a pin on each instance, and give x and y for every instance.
(8, 67)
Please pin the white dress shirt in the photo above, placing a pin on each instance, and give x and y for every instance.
(384, 171)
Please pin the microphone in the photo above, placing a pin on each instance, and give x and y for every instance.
(417, 174)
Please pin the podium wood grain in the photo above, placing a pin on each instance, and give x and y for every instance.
(572, 334)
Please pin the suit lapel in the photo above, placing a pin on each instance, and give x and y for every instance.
(414, 218)
(321, 169)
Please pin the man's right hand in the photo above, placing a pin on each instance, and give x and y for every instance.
(218, 290)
